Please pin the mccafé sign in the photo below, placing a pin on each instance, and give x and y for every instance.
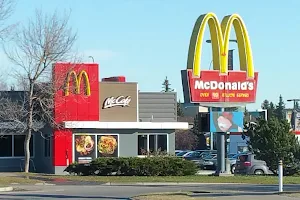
(220, 84)
(116, 101)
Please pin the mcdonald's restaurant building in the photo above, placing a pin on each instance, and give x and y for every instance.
(108, 118)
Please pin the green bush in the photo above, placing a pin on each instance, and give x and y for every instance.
(134, 166)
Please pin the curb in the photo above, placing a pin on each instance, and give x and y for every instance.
(44, 184)
(165, 183)
(6, 189)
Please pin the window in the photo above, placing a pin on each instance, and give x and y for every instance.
(142, 144)
(13, 146)
(5, 146)
(162, 142)
(152, 143)
(19, 145)
(47, 145)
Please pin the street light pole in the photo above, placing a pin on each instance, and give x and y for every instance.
(295, 102)
(92, 58)
(294, 112)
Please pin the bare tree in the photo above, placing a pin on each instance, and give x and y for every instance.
(3, 85)
(45, 40)
(6, 10)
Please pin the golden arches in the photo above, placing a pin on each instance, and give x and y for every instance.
(77, 81)
(220, 43)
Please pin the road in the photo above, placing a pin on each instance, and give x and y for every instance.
(121, 191)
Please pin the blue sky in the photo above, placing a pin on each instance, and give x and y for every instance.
(146, 40)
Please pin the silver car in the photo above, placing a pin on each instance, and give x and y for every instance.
(248, 164)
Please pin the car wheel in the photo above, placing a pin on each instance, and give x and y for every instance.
(259, 172)
(232, 169)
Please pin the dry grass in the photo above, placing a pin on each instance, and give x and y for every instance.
(8, 180)
(166, 179)
(170, 196)
(183, 179)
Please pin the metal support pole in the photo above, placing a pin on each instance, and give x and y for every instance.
(211, 135)
(211, 141)
(227, 161)
(280, 176)
(220, 151)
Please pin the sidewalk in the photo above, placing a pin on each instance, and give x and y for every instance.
(247, 196)
(254, 197)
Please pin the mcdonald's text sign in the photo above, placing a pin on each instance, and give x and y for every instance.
(235, 87)
(221, 84)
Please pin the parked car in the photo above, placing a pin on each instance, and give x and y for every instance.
(180, 154)
(192, 155)
(178, 151)
(208, 162)
(212, 163)
(248, 164)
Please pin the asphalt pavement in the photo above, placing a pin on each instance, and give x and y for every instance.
(126, 191)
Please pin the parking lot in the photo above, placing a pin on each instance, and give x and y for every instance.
(240, 163)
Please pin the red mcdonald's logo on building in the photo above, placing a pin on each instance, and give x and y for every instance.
(77, 82)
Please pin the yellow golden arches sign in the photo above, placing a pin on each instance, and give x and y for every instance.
(77, 82)
(220, 43)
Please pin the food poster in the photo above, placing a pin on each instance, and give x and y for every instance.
(107, 145)
(85, 150)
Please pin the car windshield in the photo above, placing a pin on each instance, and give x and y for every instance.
(210, 156)
(181, 153)
(192, 154)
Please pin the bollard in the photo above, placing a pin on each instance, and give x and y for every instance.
(280, 176)
(228, 169)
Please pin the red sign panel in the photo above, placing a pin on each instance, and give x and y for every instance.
(213, 87)
(76, 99)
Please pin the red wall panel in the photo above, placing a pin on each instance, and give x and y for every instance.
(74, 107)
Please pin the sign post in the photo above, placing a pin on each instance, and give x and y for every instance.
(221, 151)
(220, 87)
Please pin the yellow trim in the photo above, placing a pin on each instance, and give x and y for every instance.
(220, 43)
(77, 80)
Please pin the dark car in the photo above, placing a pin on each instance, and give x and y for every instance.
(248, 164)
(208, 161)
(193, 155)
(180, 154)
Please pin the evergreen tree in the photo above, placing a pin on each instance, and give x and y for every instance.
(166, 86)
(265, 105)
(246, 116)
(271, 111)
(269, 106)
(280, 109)
(271, 140)
(179, 109)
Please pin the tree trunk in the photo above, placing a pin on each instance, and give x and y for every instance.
(29, 129)
(27, 151)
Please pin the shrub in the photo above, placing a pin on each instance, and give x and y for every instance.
(134, 166)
